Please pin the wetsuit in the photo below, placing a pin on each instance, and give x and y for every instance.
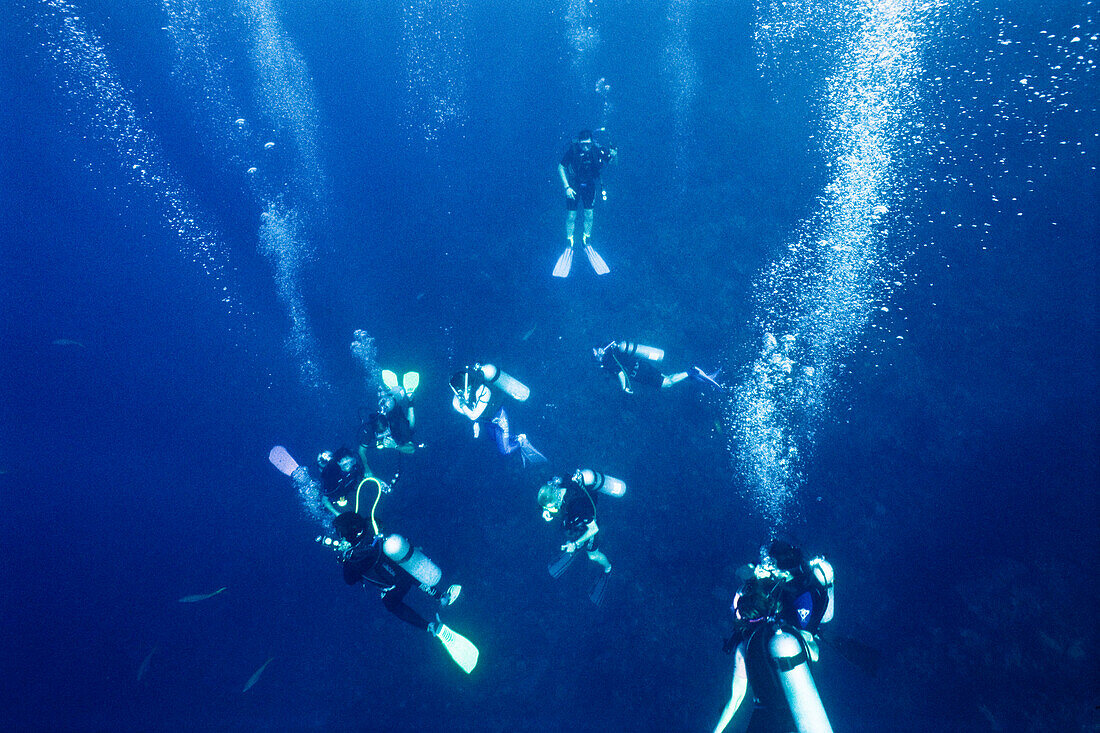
(336, 483)
(583, 162)
(578, 510)
(804, 600)
(637, 370)
(366, 562)
(393, 423)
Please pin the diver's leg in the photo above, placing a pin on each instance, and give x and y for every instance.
(570, 224)
(600, 559)
(668, 381)
(587, 224)
(394, 601)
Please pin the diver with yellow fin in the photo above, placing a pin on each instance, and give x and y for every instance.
(387, 562)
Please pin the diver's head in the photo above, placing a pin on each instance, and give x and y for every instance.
(386, 403)
(584, 136)
(750, 604)
(323, 459)
(350, 526)
(784, 555)
(551, 497)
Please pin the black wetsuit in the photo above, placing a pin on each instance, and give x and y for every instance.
(396, 422)
(337, 483)
(583, 162)
(366, 562)
(578, 510)
(804, 600)
(637, 370)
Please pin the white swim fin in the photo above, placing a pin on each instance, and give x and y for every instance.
(596, 261)
(390, 380)
(410, 381)
(565, 263)
(461, 649)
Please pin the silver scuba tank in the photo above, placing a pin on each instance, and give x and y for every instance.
(601, 482)
(516, 389)
(652, 353)
(412, 560)
(798, 686)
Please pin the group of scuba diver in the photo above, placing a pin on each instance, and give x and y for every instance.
(782, 602)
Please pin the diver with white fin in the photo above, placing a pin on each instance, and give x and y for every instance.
(392, 426)
(574, 502)
(637, 364)
(472, 393)
(508, 443)
(580, 170)
(778, 611)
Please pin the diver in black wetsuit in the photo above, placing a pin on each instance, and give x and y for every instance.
(573, 501)
(394, 567)
(635, 364)
(343, 477)
(777, 611)
(367, 561)
(580, 170)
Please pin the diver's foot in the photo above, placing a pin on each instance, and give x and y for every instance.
(607, 570)
(450, 596)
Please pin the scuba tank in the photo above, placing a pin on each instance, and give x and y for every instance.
(823, 572)
(652, 353)
(601, 482)
(515, 388)
(412, 560)
(793, 670)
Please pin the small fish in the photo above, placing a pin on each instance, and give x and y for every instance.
(529, 332)
(256, 675)
(68, 342)
(202, 596)
(145, 663)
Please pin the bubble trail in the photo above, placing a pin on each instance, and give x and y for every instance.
(583, 37)
(282, 243)
(285, 105)
(101, 109)
(436, 66)
(680, 71)
(816, 300)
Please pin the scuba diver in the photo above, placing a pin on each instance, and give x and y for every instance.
(574, 502)
(393, 424)
(778, 611)
(508, 444)
(580, 175)
(387, 562)
(472, 394)
(636, 364)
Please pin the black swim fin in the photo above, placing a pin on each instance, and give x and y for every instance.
(599, 589)
(559, 566)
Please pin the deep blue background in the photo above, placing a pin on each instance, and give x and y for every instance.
(957, 471)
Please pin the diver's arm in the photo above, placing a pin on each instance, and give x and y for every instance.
(589, 533)
(328, 505)
(564, 177)
(410, 415)
(367, 473)
(737, 689)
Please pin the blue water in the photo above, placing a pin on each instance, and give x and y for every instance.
(906, 189)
